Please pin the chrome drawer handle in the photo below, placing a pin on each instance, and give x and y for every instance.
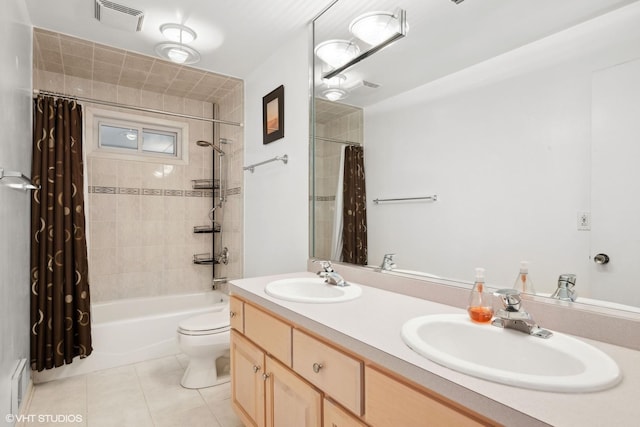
(265, 376)
(256, 368)
(317, 367)
(232, 314)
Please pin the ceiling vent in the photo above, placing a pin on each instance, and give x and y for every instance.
(118, 16)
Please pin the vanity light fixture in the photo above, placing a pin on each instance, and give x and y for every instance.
(374, 28)
(336, 53)
(395, 32)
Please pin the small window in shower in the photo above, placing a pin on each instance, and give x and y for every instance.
(132, 137)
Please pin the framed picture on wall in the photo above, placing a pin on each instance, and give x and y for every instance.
(273, 115)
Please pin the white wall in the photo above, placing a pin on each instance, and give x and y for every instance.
(506, 147)
(15, 154)
(276, 195)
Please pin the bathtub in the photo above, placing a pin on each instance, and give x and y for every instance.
(136, 329)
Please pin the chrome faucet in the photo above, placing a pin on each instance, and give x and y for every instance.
(510, 316)
(387, 262)
(331, 277)
(565, 291)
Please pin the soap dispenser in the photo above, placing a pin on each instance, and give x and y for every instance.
(480, 306)
(523, 282)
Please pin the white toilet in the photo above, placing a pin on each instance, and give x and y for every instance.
(205, 339)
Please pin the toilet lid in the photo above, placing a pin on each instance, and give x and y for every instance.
(217, 321)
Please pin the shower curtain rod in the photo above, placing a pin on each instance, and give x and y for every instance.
(339, 141)
(37, 92)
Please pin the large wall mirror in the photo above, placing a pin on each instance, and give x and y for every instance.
(523, 118)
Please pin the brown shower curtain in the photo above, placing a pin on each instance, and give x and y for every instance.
(354, 213)
(60, 314)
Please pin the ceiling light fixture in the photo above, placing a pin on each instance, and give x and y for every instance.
(374, 28)
(178, 53)
(178, 33)
(336, 53)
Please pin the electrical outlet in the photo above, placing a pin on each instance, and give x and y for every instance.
(584, 221)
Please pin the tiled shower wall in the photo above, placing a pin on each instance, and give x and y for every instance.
(141, 214)
(345, 125)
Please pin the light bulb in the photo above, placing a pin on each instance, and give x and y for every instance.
(177, 55)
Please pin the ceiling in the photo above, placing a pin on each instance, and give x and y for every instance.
(445, 37)
(71, 56)
(234, 36)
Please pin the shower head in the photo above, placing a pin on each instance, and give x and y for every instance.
(202, 143)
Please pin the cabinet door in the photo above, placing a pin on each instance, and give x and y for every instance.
(333, 372)
(390, 403)
(334, 416)
(247, 382)
(236, 314)
(290, 400)
(272, 334)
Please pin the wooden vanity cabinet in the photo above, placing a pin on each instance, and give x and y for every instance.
(290, 401)
(271, 334)
(391, 403)
(265, 393)
(247, 381)
(335, 373)
(335, 416)
(282, 376)
(236, 314)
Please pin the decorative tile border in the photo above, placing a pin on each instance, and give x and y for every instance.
(129, 191)
(156, 191)
(232, 191)
(324, 198)
(152, 192)
(103, 190)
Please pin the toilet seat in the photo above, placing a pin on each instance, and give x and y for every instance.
(216, 322)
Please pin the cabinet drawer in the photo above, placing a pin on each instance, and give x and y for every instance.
(390, 403)
(273, 335)
(334, 416)
(335, 373)
(236, 314)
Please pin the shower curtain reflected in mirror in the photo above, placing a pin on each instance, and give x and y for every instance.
(60, 302)
(354, 211)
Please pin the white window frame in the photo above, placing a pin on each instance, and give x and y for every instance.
(93, 117)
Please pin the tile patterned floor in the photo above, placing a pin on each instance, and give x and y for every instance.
(139, 395)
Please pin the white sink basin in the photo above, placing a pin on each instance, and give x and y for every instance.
(560, 363)
(311, 290)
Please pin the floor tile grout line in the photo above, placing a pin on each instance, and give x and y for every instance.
(144, 395)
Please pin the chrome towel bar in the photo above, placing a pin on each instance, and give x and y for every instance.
(252, 167)
(433, 198)
(17, 180)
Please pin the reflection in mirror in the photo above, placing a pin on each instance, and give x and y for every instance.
(528, 141)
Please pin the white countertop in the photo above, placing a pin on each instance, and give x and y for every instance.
(370, 326)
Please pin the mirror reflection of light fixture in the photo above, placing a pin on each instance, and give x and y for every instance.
(337, 52)
(178, 33)
(334, 91)
(334, 94)
(374, 28)
(401, 30)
